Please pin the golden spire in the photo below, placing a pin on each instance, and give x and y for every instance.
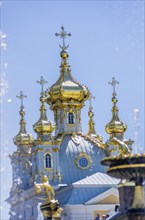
(92, 130)
(43, 125)
(66, 87)
(115, 125)
(64, 54)
(23, 138)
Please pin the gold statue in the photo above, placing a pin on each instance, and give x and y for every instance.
(48, 189)
(123, 147)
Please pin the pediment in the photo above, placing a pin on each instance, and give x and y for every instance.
(110, 196)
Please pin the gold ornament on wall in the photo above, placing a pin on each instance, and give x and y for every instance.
(83, 161)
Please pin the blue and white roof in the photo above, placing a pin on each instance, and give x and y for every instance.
(87, 190)
(97, 180)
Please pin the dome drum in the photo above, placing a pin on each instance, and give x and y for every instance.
(66, 104)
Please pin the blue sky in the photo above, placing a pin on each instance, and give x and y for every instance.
(107, 40)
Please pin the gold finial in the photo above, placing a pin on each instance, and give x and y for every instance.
(21, 97)
(48, 189)
(63, 34)
(114, 83)
(92, 130)
(42, 82)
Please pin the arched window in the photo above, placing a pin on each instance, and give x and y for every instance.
(71, 118)
(48, 161)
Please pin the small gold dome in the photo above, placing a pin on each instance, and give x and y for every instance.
(43, 125)
(115, 125)
(23, 138)
(67, 88)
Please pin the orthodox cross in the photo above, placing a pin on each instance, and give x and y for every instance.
(42, 82)
(21, 97)
(90, 99)
(114, 83)
(63, 34)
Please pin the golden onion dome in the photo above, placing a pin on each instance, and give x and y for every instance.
(115, 125)
(67, 88)
(23, 138)
(43, 126)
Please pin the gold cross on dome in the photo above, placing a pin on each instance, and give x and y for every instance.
(42, 82)
(63, 34)
(21, 97)
(114, 83)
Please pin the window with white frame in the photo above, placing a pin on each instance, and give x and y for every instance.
(48, 160)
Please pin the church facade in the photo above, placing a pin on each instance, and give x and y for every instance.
(62, 152)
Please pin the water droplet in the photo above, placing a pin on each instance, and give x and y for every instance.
(9, 100)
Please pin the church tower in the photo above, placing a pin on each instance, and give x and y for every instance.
(21, 166)
(61, 151)
(21, 159)
(42, 153)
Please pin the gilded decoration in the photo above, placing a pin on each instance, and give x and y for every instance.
(116, 145)
(42, 142)
(56, 149)
(83, 161)
(97, 141)
(57, 176)
(46, 188)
